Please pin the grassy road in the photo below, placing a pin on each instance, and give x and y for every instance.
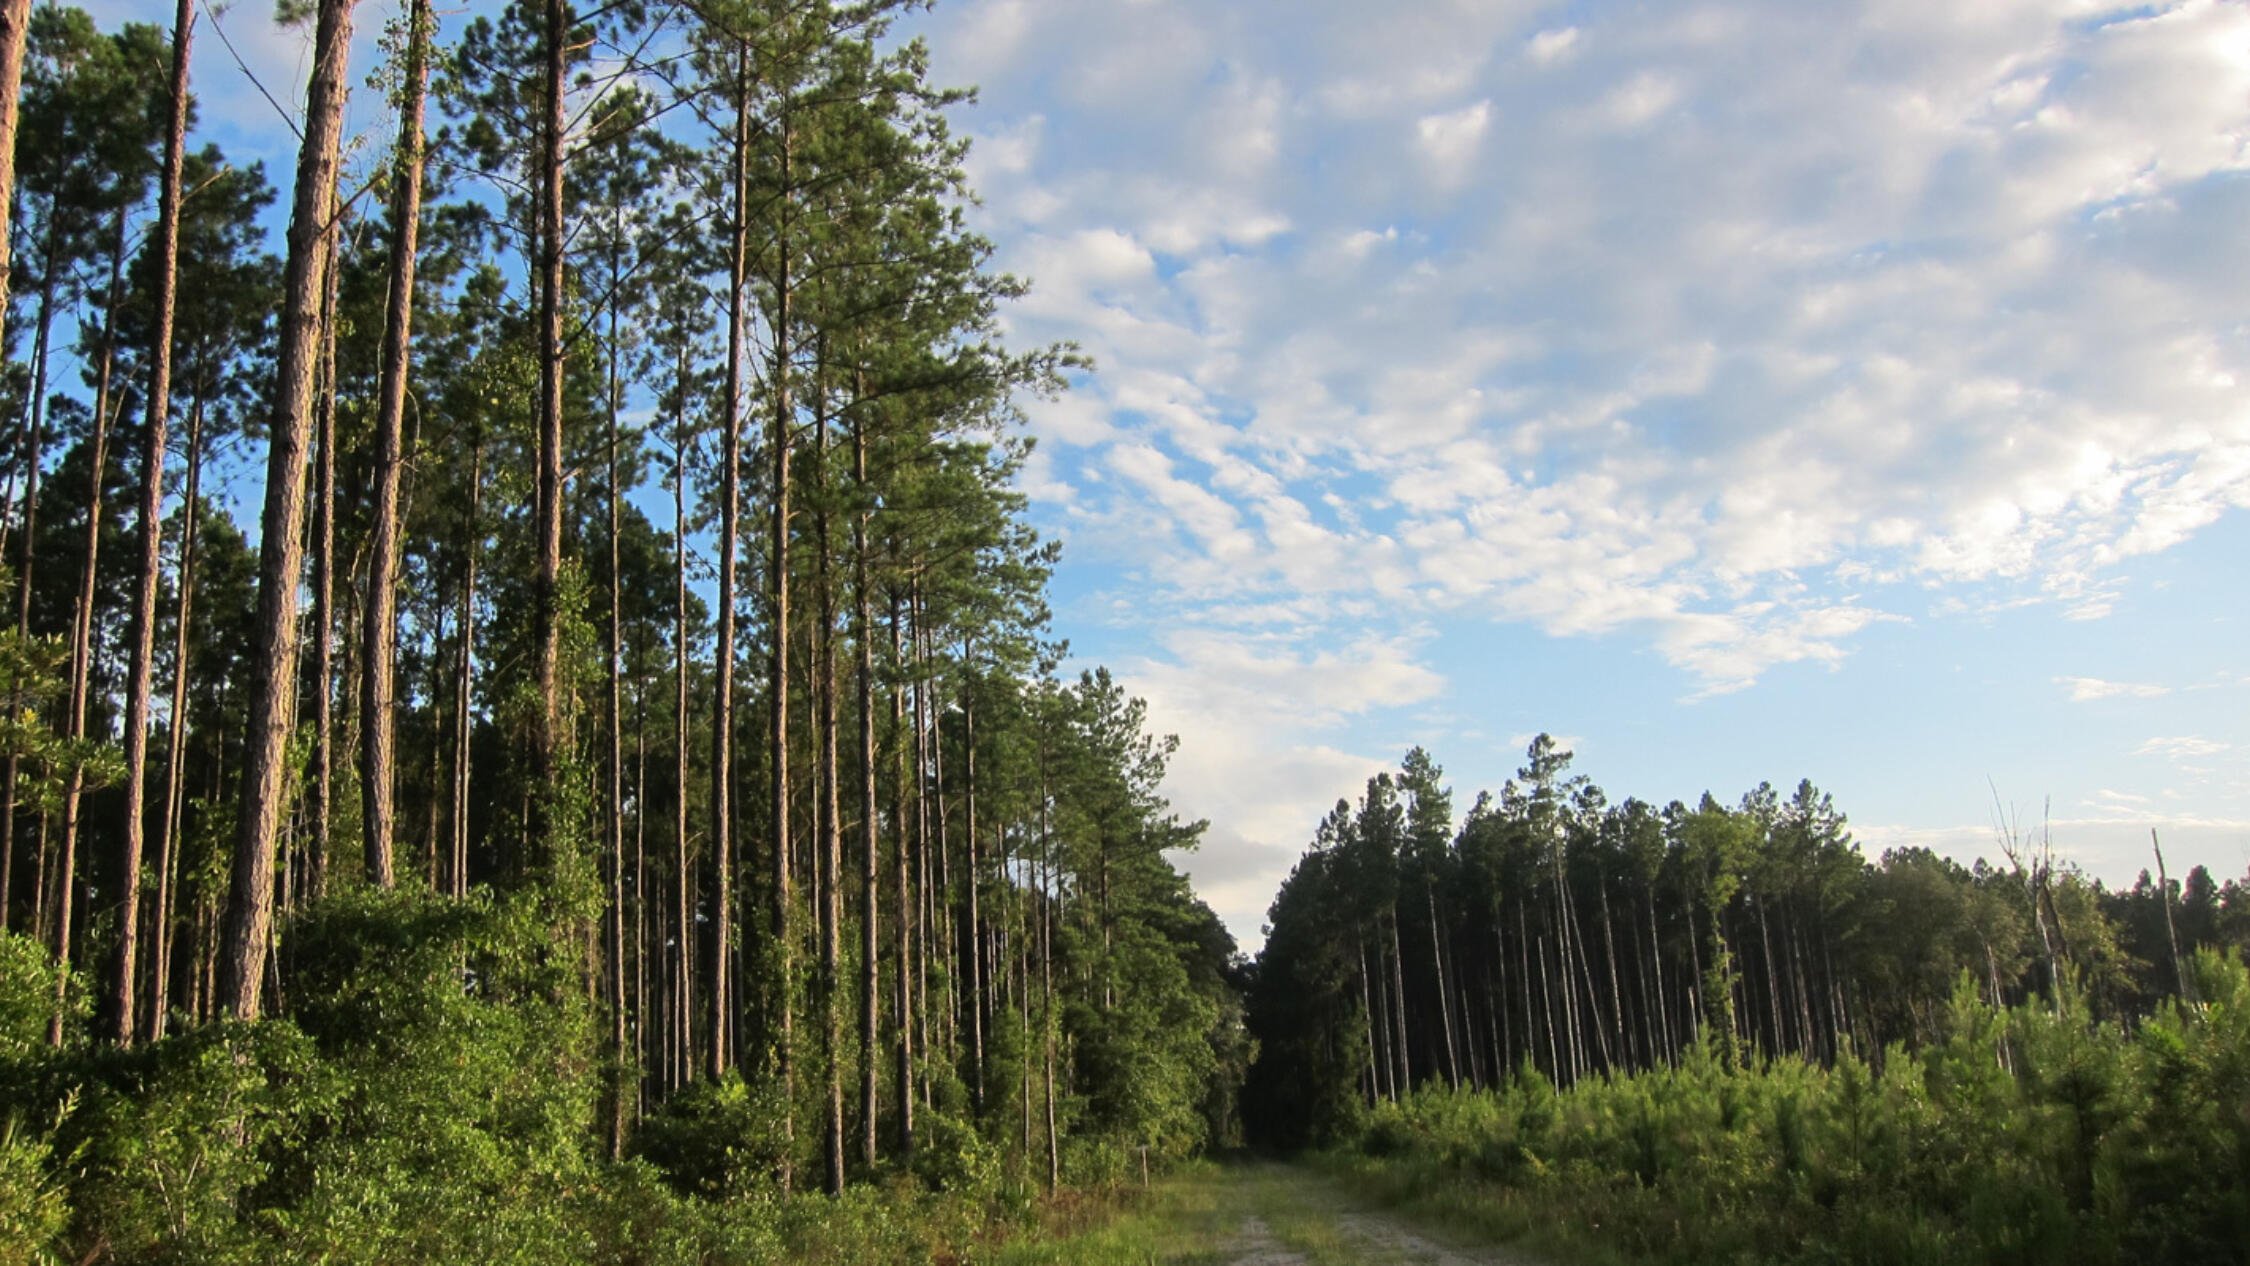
(1257, 1214)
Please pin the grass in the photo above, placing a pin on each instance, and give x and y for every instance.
(1220, 1213)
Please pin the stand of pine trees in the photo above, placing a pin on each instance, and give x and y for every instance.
(617, 757)
(1722, 1033)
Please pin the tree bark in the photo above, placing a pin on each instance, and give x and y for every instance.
(778, 443)
(82, 634)
(547, 528)
(870, 939)
(140, 670)
(168, 859)
(15, 24)
(379, 634)
(280, 550)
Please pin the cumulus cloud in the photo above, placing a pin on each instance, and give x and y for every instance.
(1737, 330)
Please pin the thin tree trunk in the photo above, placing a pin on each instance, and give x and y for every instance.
(314, 876)
(35, 437)
(905, 931)
(614, 811)
(778, 443)
(870, 942)
(81, 638)
(681, 1048)
(379, 634)
(465, 698)
(140, 670)
(970, 882)
(1445, 1000)
(830, 804)
(548, 524)
(168, 859)
(730, 508)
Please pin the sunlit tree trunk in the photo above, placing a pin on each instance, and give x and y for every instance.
(379, 633)
(82, 633)
(140, 670)
(272, 687)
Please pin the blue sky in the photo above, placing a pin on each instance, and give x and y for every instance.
(1741, 390)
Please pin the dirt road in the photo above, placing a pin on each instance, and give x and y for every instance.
(1267, 1214)
(1294, 1217)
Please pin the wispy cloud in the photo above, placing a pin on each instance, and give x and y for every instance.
(2186, 746)
(2090, 689)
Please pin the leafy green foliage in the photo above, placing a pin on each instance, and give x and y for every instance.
(2023, 1136)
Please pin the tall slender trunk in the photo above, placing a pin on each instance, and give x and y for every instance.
(464, 697)
(82, 635)
(905, 931)
(379, 634)
(779, 443)
(140, 670)
(1616, 991)
(548, 525)
(175, 755)
(1377, 1063)
(870, 882)
(614, 811)
(280, 550)
(1401, 1051)
(830, 805)
(970, 882)
(35, 437)
(730, 508)
(314, 874)
(1445, 1001)
(681, 1047)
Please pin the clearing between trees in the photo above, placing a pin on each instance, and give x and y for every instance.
(1263, 1213)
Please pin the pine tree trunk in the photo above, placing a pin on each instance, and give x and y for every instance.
(870, 944)
(168, 859)
(272, 684)
(548, 523)
(379, 634)
(140, 670)
(779, 443)
(970, 882)
(35, 437)
(614, 811)
(465, 696)
(1445, 999)
(681, 1048)
(830, 806)
(82, 635)
(314, 874)
(905, 932)
(15, 24)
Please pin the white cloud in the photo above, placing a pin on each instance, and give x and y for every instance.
(2184, 747)
(1449, 141)
(1550, 47)
(2089, 689)
(1640, 99)
(1731, 331)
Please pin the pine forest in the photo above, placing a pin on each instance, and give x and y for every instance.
(535, 732)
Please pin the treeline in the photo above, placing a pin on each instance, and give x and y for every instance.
(1556, 932)
(635, 697)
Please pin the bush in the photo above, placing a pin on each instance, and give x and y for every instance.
(715, 1139)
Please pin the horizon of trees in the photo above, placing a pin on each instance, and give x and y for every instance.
(1552, 931)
